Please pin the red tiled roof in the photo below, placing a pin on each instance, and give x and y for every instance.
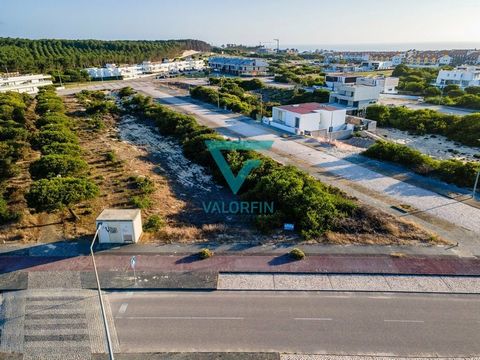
(307, 108)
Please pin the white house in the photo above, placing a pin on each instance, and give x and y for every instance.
(24, 83)
(463, 76)
(355, 97)
(444, 60)
(377, 65)
(298, 119)
(119, 226)
(387, 85)
(334, 79)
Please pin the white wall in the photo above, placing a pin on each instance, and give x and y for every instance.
(321, 119)
(336, 119)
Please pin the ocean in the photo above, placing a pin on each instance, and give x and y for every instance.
(385, 46)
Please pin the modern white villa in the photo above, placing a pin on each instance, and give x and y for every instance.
(308, 117)
(463, 76)
(24, 83)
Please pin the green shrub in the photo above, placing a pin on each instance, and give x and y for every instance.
(141, 202)
(153, 224)
(49, 166)
(58, 193)
(126, 91)
(61, 149)
(297, 254)
(144, 184)
(47, 137)
(53, 118)
(7, 216)
(205, 254)
(111, 156)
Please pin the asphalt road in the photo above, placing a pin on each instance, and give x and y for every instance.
(310, 322)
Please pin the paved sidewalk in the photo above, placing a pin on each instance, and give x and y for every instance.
(364, 357)
(331, 264)
(377, 283)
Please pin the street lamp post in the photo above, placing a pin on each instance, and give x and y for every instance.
(476, 184)
(102, 306)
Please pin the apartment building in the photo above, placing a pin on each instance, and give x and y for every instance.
(239, 66)
(24, 83)
(112, 71)
(463, 76)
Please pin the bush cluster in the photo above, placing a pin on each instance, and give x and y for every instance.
(454, 96)
(464, 129)
(60, 172)
(451, 171)
(304, 75)
(13, 143)
(230, 96)
(153, 224)
(298, 197)
(97, 102)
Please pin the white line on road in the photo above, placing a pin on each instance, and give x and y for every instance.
(405, 321)
(179, 318)
(123, 308)
(313, 319)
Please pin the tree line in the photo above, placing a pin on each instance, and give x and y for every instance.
(60, 175)
(67, 57)
(13, 146)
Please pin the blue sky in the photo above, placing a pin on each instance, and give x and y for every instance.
(247, 21)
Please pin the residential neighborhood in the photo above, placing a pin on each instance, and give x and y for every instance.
(268, 180)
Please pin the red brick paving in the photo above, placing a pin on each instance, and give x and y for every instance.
(371, 264)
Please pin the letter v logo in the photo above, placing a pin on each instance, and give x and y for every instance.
(235, 182)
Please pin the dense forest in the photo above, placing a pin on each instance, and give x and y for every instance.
(60, 56)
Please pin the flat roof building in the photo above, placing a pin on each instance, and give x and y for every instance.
(119, 226)
(463, 76)
(308, 117)
(24, 83)
(239, 66)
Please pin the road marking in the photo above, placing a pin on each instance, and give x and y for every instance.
(313, 319)
(380, 297)
(405, 321)
(123, 308)
(179, 318)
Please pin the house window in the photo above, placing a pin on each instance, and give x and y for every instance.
(297, 122)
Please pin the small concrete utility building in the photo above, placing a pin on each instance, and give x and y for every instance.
(119, 226)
